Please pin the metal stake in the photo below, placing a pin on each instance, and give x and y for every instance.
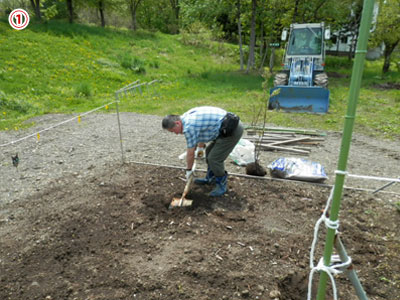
(383, 187)
(350, 272)
(119, 128)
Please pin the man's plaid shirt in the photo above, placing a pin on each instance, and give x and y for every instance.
(202, 124)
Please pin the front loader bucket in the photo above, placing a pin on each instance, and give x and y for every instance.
(313, 99)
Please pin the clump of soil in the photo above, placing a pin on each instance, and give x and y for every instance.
(294, 286)
(255, 169)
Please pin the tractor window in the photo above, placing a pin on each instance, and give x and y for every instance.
(305, 41)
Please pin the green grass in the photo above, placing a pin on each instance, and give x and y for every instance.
(63, 68)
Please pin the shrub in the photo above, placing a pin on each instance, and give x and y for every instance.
(205, 74)
(14, 105)
(107, 63)
(83, 89)
(196, 34)
(335, 62)
(155, 64)
(133, 63)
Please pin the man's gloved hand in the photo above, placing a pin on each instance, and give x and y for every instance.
(188, 174)
(199, 152)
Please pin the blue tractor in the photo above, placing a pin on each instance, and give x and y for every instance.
(302, 84)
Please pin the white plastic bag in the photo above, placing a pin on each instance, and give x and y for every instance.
(297, 169)
(243, 153)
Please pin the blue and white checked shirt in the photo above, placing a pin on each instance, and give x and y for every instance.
(202, 124)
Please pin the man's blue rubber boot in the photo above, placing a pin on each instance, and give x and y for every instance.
(206, 180)
(220, 187)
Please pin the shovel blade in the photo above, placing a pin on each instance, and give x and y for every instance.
(179, 202)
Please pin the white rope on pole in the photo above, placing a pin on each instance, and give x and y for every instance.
(334, 268)
(56, 125)
(328, 223)
(134, 85)
(153, 81)
(128, 86)
(367, 177)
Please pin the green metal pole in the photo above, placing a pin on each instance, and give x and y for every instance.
(355, 85)
(351, 273)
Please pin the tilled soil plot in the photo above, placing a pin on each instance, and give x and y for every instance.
(111, 236)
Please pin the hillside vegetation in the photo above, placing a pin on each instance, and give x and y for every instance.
(63, 68)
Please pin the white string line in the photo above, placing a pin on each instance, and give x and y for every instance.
(266, 178)
(367, 177)
(127, 86)
(135, 85)
(56, 125)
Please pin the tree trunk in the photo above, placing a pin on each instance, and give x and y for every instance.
(70, 11)
(338, 43)
(36, 7)
(240, 35)
(101, 10)
(319, 5)
(353, 45)
(133, 15)
(349, 55)
(296, 7)
(388, 52)
(176, 9)
(133, 5)
(265, 55)
(250, 62)
(271, 60)
(262, 39)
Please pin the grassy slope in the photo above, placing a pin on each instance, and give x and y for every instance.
(74, 68)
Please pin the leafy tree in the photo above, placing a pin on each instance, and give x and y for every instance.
(159, 15)
(250, 62)
(238, 4)
(205, 11)
(100, 6)
(70, 9)
(176, 8)
(50, 12)
(133, 6)
(36, 8)
(388, 29)
(7, 6)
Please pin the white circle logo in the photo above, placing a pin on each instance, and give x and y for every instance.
(18, 19)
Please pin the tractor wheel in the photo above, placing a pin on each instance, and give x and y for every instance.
(281, 79)
(321, 79)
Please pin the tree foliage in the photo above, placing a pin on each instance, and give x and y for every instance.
(260, 21)
(388, 29)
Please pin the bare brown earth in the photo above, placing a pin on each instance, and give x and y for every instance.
(104, 231)
(388, 86)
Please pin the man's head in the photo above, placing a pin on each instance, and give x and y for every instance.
(172, 123)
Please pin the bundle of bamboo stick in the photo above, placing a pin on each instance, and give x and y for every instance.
(294, 141)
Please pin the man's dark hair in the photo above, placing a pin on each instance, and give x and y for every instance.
(169, 121)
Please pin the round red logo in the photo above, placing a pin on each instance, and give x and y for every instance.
(18, 19)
